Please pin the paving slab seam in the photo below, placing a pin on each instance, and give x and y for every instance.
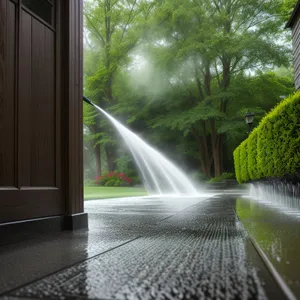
(71, 297)
(18, 298)
(270, 267)
(65, 268)
(166, 218)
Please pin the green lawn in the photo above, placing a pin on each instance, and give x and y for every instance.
(95, 192)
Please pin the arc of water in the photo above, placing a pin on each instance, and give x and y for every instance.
(171, 170)
(167, 175)
(138, 162)
(157, 166)
(141, 169)
(151, 172)
(136, 155)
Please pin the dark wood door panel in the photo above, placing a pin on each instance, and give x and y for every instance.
(37, 108)
(29, 118)
(27, 204)
(24, 103)
(40, 111)
(43, 118)
(7, 93)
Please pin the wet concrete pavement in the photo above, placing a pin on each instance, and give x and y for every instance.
(143, 249)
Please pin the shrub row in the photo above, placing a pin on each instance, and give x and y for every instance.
(273, 148)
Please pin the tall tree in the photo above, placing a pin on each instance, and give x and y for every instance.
(112, 29)
(214, 42)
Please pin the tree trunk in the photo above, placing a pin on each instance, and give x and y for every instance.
(111, 157)
(206, 167)
(205, 161)
(96, 147)
(202, 144)
(221, 153)
(218, 139)
(206, 156)
(215, 144)
(217, 162)
(97, 154)
(218, 155)
(109, 90)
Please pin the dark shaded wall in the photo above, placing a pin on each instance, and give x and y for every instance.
(296, 49)
(294, 24)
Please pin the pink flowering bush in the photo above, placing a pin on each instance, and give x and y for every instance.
(114, 179)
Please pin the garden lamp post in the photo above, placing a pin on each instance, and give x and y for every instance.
(249, 117)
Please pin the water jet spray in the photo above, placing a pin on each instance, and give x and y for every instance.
(160, 175)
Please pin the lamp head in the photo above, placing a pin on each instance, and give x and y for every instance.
(249, 117)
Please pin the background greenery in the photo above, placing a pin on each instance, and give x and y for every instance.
(182, 74)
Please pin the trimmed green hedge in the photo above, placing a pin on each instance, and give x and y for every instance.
(237, 165)
(252, 155)
(273, 148)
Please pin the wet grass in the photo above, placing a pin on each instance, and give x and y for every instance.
(95, 192)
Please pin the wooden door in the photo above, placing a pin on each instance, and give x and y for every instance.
(30, 112)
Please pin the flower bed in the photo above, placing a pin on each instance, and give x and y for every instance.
(114, 179)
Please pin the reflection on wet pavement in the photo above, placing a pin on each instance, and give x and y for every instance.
(275, 226)
(152, 249)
